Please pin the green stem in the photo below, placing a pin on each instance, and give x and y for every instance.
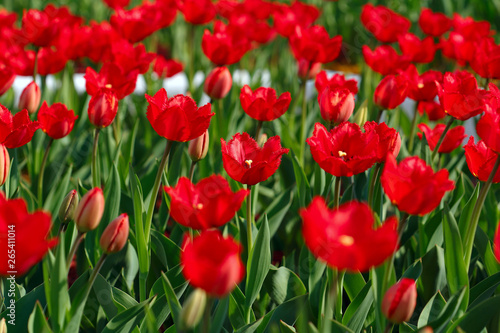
(156, 188)
(191, 171)
(390, 263)
(257, 132)
(476, 213)
(388, 328)
(373, 182)
(35, 66)
(441, 138)
(379, 115)
(336, 193)
(207, 315)
(191, 46)
(303, 124)
(95, 172)
(413, 129)
(74, 247)
(249, 221)
(220, 119)
(330, 300)
(42, 171)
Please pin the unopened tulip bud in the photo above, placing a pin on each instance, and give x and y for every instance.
(3, 326)
(198, 147)
(400, 300)
(262, 139)
(218, 83)
(30, 98)
(426, 329)
(115, 236)
(89, 211)
(308, 71)
(192, 311)
(103, 107)
(68, 207)
(336, 105)
(4, 164)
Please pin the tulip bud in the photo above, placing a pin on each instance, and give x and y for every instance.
(218, 83)
(192, 311)
(262, 139)
(30, 98)
(426, 329)
(336, 105)
(4, 164)
(308, 71)
(68, 207)
(400, 300)
(3, 326)
(89, 211)
(103, 107)
(198, 147)
(115, 236)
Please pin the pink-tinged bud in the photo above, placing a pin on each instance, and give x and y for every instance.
(4, 164)
(198, 147)
(400, 300)
(308, 71)
(103, 107)
(262, 140)
(30, 98)
(89, 211)
(218, 83)
(426, 329)
(68, 207)
(336, 105)
(115, 235)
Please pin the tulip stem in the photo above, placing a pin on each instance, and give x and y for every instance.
(35, 66)
(220, 119)
(336, 193)
(388, 327)
(303, 123)
(156, 188)
(379, 115)
(191, 45)
(72, 252)
(94, 170)
(42, 171)
(331, 298)
(249, 220)
(476, 213)
(413, 128)
(207, 315)
(191, 171)
(257, 132)
(441, 138)
(373, 181)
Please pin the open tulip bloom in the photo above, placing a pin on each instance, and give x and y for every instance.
(227, 166)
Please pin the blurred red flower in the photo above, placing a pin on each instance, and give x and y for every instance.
(486, 60)
(197, 11)
(17, 130)
(262, 103)
(287, 17)
(452, 140)
(336, 105)
(389, 140)
(57, 121)
(314, 44)
(480, 160)
(434, 24)
(391, 92)
(103, 107)
(225, 46)
(383, 23)
(113, 77)
(115, 4)
(422, 87)
(336, 81)
(420, 51)
(433, 110)
(218, 83)
(384, 59)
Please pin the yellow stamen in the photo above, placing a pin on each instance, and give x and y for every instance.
(109, 86)
(249, 163)
(198, 206)
(346, 240)
(420, 85)
(342, 154)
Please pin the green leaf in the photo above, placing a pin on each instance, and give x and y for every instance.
(478, 317)
(276, 211)
(167, 251)
(28, 301)
(37, 322)
(432, 310)
(128, 319)
(173, 301)
(283, 284)
(259, 262)
(466, 212)
(137, 198)
(303, 187)
(483, 246)
(483, 290)
(358, 310)
(449, 311)
(414, 271)
(220, 315)
(353, 284)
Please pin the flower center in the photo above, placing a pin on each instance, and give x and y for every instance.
(248, 163)
(109, 86)
(198, 206)
(346, 240)
(342, 154)
(420, 85)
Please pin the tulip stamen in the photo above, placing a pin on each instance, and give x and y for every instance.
(198, 206)
(420, 85)
(342, 153)
(346, 240)
(108, 86)
(248, 163)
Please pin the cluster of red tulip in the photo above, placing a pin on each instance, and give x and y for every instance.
(342, 235)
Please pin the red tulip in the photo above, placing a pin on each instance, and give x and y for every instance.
(7, 77)
(287, 17)
(31, 231)
(18, 130)
(225, 46)
(103, 107)
(208, 204)
(198, 148)
(129, 57)
(100, 38)
(488, 129)
(391, 92)
(434, 24)
(345, 150)
(486, 60)
(421, 51)
(459, 48)
(336, 105)
(38, 28)
(306, 70)
(452, 140)
(400, 301)
(469, 28)
(115, 236)
(314, 44)
(212, 263)
(177, 118)
(30, 98)
(344, 237)
(422, 87)
(197, 11)
(389, 140)
(383, 23)
(115, 4)
(262, 103)
(218, 83)
(57, 121)
(51, 60)
(167, 67)
(480, 160)
(496, 244)
(247, 163)
(258, 31)
(385, 60)
(336, 81)
(4, 164)
(111, 76)
(89, 211)
(413, 186)
(433, 110)
(460, 96)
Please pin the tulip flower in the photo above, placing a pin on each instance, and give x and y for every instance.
(167, 67)
(496, 244)
(212, 262)
(57, 121)
(287, 17)
(177, 118)
(197, 11)
(89, 211)
(336, 81)
(225, 46)
(452, 140)
(218, 83)
(306, 70)
(345, 150)
(103, 107)
(433, 110)
(336, 105)
(385, 60)
(30, 98)
(389, 140)
(314, 44)
(115, 4)
(433, 24)
(7, 77)
(113, 77)
(258, 31)
(247, 163)
(486, 60)
(4, 164)
(262, 103)
(208, 204)
(420, 51)
(115, 236)
(391, 92)
(400, 301)
(17, 130)
(413, 186)
(480, 160)
(129, 57)
(459, 48)
(51, 60)
(422, 87)
(38, 28)
(383, 23)
(344, 237)
(31, 236)
(198, 148)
